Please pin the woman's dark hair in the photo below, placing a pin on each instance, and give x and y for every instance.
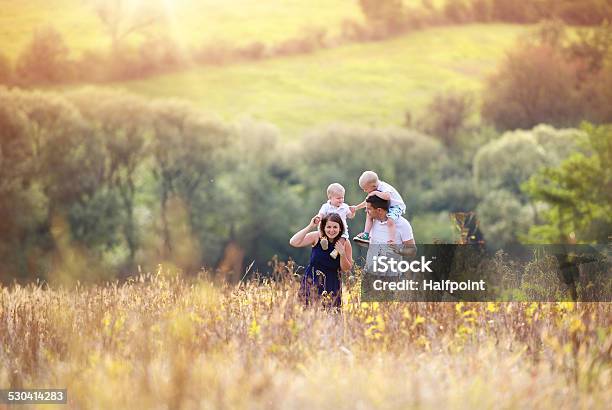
(332, 217)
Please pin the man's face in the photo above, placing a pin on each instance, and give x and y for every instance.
(375, 213)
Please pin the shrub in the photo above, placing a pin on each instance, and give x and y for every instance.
(386, 14)
(453, 194)
(503, 218)
(159, 54)
(93, 67)
(509, 10)
(253, 51)
(308, 41)
(482, 10)
(446, 116)
(218, 52)
(6, 70)
(457, 11)
(45, 59)
(584, 12)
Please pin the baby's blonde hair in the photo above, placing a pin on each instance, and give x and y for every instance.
(368, 177)
(335, 188)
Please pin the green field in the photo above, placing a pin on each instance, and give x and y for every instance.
(366, 83)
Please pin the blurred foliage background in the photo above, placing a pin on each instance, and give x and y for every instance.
(135, 133)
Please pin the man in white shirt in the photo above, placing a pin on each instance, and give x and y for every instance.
(377, 209)
(402, 244)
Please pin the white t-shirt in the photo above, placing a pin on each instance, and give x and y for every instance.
(379, 234)
(342, 210)
(379, 246)
(396, 198)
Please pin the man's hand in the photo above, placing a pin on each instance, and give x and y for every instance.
(394, 247)
(408, 251)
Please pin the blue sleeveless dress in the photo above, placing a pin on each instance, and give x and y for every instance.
(322, 274)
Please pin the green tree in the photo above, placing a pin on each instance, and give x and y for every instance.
(262, 201)
(52, 165)
(188, 150)
(503, 165)
(22, 204)
(120, 122)
(507, 162)
(578, 192)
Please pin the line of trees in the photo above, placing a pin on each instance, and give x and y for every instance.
(47, 59)
(98, 175)
(95, 181)
(391, 17)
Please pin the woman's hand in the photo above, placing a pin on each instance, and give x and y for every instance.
(303, 237)
(346, 255)
(340, 248)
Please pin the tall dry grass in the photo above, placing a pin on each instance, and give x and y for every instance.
(162, 341)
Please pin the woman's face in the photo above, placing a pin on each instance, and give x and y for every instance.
(332, 229)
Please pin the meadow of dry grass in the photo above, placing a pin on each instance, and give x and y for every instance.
(162, 341)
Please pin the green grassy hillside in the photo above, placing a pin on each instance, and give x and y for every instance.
(371, 83)
(367, 83)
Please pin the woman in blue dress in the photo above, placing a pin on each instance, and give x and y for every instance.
(330, 256)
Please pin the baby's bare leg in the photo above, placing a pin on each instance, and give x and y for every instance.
(368, 223)
(391, 226)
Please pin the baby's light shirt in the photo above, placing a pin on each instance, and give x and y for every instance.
(396, 198)
(342, 210)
